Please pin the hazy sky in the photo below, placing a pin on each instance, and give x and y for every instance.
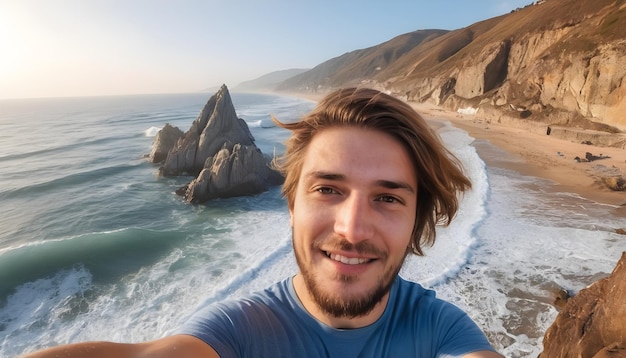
(54, 48)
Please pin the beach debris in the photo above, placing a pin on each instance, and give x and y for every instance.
(593, 322)
(620, 231)
(589, 157)
(615, 183)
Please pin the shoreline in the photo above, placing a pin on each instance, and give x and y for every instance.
(540, 155)
(545, 157)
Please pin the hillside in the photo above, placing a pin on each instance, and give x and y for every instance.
(269, 81)
(559, 63)
(352, 67)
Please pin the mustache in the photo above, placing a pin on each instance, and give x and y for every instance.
(361, 247)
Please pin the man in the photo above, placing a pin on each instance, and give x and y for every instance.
(366, 182)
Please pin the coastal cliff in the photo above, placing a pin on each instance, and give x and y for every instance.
(557, 63)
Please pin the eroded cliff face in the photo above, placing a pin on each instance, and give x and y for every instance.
(571, 74)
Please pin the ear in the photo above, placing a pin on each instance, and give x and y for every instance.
(291, 217)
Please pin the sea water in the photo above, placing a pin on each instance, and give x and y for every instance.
(94, 245)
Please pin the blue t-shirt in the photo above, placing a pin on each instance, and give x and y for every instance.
(273, 323)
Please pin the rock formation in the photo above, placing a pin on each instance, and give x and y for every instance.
(219, 150)
(593, 323)
(164, 141)
(237, 171)
(216, 125)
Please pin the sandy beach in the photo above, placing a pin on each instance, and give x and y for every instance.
(544, 156)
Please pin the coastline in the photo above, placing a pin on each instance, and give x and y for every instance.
(545, 157)
(541, 156)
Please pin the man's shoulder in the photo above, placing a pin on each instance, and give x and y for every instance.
(414, 298)
(408, 287)
(278, 292)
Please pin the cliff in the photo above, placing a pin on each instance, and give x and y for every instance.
(554, 63)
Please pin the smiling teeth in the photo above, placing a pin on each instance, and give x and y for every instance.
(348, 260)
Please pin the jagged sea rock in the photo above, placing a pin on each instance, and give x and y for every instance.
(593, 323)
(219, 150)
(237, 172)
(164, 141)
(216, 124)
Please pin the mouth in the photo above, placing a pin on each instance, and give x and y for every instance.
(348, 260)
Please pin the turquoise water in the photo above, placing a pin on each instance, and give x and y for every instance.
(95, 246)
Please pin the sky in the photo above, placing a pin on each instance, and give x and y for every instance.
(68, 48)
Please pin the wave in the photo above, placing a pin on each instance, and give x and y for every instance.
(457, 242)
(259, 121)
(255, 277)
(106, 255)
(57, 150)
(71, 180)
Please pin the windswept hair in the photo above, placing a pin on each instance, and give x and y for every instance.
(439, 174)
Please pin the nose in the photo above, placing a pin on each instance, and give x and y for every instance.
(353, 219)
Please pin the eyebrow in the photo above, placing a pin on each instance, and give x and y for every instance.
(389, 184)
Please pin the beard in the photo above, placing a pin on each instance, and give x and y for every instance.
(337, 305)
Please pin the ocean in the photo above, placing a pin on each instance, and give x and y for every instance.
(94, 245)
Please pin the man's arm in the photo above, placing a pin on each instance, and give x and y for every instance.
(174, 346)
(483, 354)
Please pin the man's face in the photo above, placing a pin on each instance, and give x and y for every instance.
(352, 218)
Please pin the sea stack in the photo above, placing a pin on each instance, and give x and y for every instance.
(219, 151)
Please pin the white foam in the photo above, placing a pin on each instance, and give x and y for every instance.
(455, 242)
(152, 131)
(46, 302)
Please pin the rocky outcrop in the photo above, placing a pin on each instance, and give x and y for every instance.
(232, 172)
(216, 125)
(219, 150)
(164, 141)
(593, 323)
(480, 75)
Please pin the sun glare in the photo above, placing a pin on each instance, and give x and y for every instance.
(11, 43)
(17, 48)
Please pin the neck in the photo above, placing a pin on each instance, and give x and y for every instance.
(342, 322)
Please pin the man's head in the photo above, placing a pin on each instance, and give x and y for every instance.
(438, 173)
(366, 182)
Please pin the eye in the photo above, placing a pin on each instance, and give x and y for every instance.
(389, 199)
(326, 190)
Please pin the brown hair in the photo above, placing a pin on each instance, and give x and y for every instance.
(439, 173)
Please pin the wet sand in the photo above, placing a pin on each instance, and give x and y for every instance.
(544, 156)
